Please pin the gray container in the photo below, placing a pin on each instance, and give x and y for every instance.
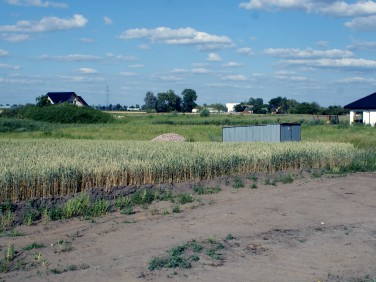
(283, 132)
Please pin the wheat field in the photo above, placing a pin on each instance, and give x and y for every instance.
(34, 168)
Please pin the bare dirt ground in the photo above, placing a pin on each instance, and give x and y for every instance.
(314, 229)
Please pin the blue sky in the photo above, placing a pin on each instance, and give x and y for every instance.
(228, 51)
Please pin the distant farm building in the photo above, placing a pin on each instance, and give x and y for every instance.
(363, 110)
(283, 132)
(230, 107)
(66, 97)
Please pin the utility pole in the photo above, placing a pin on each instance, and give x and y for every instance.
(107, 97)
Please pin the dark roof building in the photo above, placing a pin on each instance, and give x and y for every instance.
(368, 102)
(66, 97)
(363, 110)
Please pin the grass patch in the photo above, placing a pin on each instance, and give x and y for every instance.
(238, 182)
(33, 245)
(205, 190)
(184, 255)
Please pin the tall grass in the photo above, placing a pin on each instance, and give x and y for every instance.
(32, 168)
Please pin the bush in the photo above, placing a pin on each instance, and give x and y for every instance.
(62, 113)
(204, 113)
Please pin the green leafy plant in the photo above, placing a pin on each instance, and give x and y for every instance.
(238, 182)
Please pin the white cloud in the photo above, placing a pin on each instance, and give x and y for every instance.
(136, 66)
(200, 70)
(125, 73)
(71, 57)
(3, 53)
(122, 57)
(9, 67)
(357, 79)
(19, 81)
(344, 64)
(46, 24)
(14, 37)
(292, 78)
(87, 70)
(232, 64)
(362, 45)
(179, 71)
(86, 40)
(308, 53)
(37, 3)
(214, 57)
(363, 23)
(238, 77)
(143, 47)
(322, 43)
(80, 78)
(245, 51)
(330, 7)
(181, 36)
(170, 78)
(107, 20)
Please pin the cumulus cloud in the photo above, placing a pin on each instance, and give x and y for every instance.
(232, 64)
(245, 51)
(9, 67)
(12, 37)
(180, 36)
(362, 23)
(308, 53)
(356, 80)
(344, 63)
(136, 66)
(3, 53)
(235, 77)
(200, 70)
(362, 45)
(329, 7)
(107, 20)
(214, 57)
(46, 24)
(87, 70)
(126, 73)
(37, 3)
(71, 57)
(86, 40)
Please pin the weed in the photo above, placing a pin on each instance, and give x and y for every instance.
(154, 211)
(238, 182)
(33, 246)
(285, 179)
(71, 267)
(122, 202)
(77, 206)
(254, 185)
(63, 246)
(317, 173)
(253, 177)
(9, 255)
(127, 210)
(165, 212)
(6, 220)
(202, 190)
(11, 233)
(185, 198)
(176, 209)
(230, 237)
(270, 181)
(100, 207)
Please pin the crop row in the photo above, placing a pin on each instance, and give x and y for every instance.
(35, 168)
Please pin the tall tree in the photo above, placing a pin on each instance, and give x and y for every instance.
(168, 102)
(189, 100)
(42, 101)
(150, 101)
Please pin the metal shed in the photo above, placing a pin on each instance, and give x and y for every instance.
(262, 133)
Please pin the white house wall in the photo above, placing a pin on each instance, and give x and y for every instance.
(369, 117)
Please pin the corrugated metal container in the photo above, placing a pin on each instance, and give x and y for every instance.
(262, 133)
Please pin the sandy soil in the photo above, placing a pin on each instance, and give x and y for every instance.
(321, 229)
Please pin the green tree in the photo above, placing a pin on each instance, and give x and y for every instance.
(189, 100)
(219, 107)
(42, 101)
(168, 102)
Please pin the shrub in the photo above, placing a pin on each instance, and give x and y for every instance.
(204, 113)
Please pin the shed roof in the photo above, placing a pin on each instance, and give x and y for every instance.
(368, 102)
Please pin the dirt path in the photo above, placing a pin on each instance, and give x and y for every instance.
(310, 230)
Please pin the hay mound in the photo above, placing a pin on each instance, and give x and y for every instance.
(170, 137)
